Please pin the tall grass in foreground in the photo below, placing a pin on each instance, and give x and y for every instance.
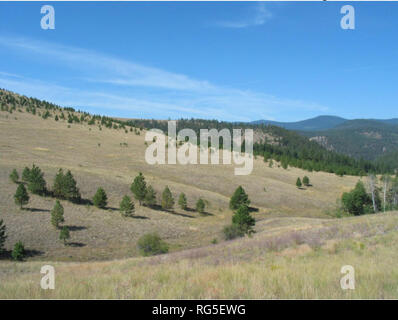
(274, 275)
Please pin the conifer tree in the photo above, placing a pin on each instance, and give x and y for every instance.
(243, 219)
(239, 198)
(167, 199)
(57, 214)
(298, 183)
(138, 188)
(306, 181)
(200, 206)
(18, 253)
(36, 182)
(150, 197)
(64, 234)
(25, 174)
(126, 206)
(100, 198)
(21, 196)
(14, 176)
(182, 201)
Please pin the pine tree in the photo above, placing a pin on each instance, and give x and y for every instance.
(70, 189)
(239, 198)
(126, 206)
(64, 234)
(18, 253)
(57, 214)
(306, 181)
(167, 199)
(3, 235)
(150, 197)
(182, 201)
(21, 196)
(138, 187)
(100, 198)
(243, 219)
(14, 176)
(298, 183)
(200, 206)
(25, 174)
(36, 182)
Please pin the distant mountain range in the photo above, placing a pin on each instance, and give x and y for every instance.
(370, 139)
(319, 123)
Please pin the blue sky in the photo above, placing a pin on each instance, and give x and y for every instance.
(235, 61)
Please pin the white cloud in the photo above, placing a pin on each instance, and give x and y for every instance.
(260, 16)
(152, 92)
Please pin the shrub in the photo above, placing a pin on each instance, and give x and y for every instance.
(182, 201)
(151, 244)
(100, 198)
(167, 199)
(126, 206)
(14, 176)
(57, 214)
(21, 196)
(18, 253)
(3, 235)
(200, 205)
(232, 231)
(239, 198)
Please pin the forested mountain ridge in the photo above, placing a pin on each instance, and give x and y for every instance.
(271, 142)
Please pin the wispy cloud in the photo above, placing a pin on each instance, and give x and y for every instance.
(101, 83)
(259, 17)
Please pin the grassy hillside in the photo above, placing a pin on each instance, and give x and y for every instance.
(97, 158)
(281, 261)
(296, 252)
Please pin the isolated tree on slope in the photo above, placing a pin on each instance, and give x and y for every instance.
(167, 199)
(57, 214)
(100, 198)
(182, 201)
(126, 206)
(64, 234)
(21, 196)
(306, 181)
(200, 206)
(298, 183)
(138, 188)
(239, 198)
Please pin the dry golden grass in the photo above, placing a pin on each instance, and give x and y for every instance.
(104, 234)
(297, 251)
